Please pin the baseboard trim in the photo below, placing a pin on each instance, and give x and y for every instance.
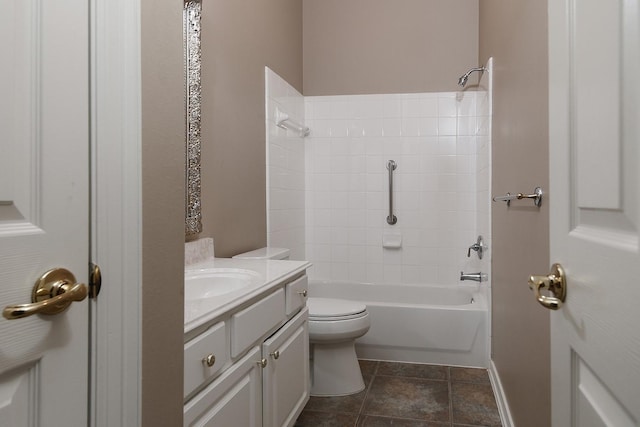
(501, 399)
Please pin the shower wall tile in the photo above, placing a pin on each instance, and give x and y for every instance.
(483, 168)
(447, 126)
(448, 105)
(327, 194)
(286, 165)
(439, 141)
(466, 106)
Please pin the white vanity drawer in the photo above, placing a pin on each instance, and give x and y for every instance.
(250, 324)
(232, 399)
(204, 356)
(296, 295)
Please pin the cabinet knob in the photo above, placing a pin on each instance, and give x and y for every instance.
(275, 354)
(303, 293)
(262, 363)
(210, 360)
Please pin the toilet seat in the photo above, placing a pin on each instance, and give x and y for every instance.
(329, 309)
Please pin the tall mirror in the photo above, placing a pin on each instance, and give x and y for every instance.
(192, 60)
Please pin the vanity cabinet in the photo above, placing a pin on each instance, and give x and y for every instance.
(285, 378)
(255, 359)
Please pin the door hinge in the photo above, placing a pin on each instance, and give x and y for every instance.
(95, 280)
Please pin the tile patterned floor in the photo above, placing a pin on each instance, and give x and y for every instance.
(409, 395)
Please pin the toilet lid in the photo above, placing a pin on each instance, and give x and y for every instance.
(328, 307)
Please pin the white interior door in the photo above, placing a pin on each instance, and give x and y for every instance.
(594, 54)
(44, 221)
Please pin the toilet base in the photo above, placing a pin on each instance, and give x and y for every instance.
(335, 369)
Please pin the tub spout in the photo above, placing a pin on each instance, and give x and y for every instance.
(476, 277)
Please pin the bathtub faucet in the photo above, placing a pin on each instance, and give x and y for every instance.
(476, 277)
(478, 246)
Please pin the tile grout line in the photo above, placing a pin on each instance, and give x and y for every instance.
(450, 396)
(366, 393)
(415, 378)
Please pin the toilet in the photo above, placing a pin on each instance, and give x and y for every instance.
(334, 325)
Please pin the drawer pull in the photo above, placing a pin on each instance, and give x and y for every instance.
(303, 293)
(209, 360)
(262, 363)
(275, 354)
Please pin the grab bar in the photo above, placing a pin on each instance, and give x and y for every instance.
(536, 196)
(391, 166)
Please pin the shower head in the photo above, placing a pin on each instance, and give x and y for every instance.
(462, 81)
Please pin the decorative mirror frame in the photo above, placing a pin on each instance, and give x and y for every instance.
(192, 59)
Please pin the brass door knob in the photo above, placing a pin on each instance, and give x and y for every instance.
(555, 282)
(262, 363)
(275, 354)
(52, 294)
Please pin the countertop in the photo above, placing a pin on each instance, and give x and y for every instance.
(273, 272)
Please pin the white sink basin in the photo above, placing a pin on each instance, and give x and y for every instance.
(214, 282)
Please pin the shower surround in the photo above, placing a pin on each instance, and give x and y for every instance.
(328, 199)
(328, 192)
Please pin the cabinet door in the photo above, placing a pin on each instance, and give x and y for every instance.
(234, 399)
(286, 382)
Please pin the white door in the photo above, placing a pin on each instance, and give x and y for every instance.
(594, 63)
(44, 221)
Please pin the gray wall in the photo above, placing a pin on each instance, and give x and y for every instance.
(163, 151)
(400, 49)
(239, 38)
(514, 32)
(382, 46)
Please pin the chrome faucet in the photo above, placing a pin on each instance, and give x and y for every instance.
(476, 277)
(462, 81)
(478, 246)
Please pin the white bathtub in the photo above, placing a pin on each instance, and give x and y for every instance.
(445, 325)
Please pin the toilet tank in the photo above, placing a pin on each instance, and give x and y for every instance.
(265, 253)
